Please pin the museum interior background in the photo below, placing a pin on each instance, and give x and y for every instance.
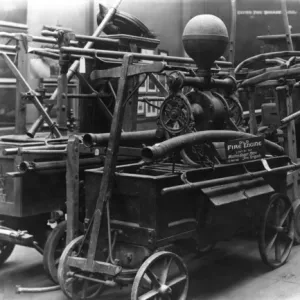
(166, 18)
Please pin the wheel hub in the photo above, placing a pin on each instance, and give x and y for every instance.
(165, 290)
(174, 114)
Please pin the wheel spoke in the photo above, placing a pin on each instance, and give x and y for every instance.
(167, 122)
(277, 251)
(153, 278)
(69, 282)
(285, 215)
(84, 289)
(287, 250)
(177, 280)
(56, 262)
(271, 243)
(165, 271)
(149, 295)
(277, 214)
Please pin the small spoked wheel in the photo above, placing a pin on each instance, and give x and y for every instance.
(276, 235)
(162, 276)
(6, 249)
(71, 285)
(53, 249)
(55, 244)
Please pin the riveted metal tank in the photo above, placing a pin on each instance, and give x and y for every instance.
(205, 39)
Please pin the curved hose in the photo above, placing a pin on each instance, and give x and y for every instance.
(263, 56)
(152, 153)
(37, 290)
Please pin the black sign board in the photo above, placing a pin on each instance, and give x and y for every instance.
(240, 150)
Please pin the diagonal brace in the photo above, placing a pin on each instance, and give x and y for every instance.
(35, 100)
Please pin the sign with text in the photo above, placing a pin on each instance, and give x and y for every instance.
(245, 149)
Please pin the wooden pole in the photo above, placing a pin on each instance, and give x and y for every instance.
(286, 24)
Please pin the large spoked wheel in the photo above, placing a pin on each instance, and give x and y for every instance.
(82, 288)
(6, 249)
(276, 235)
(162, 276)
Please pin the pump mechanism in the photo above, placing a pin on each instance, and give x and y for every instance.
(205, 39)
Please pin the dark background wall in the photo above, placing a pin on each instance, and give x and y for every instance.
(167, 19)
(163, 17)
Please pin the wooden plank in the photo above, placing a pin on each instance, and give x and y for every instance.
(110, 161)
(72, 188)
(130, 118)
(285, 108)
(62, 103)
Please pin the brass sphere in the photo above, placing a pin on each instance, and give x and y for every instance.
(205, 39)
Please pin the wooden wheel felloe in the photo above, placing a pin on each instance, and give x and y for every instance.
(276, 235)
(82, 288)
(162, 276)
(53, 249)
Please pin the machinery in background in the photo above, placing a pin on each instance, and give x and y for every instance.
(33, 164)
(207, 181)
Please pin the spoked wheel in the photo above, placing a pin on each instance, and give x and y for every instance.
(6, 249)
(162, 276)
(82, 288)
(54, 247)
(276, 235)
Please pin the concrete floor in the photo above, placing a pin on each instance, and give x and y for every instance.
(232, 271)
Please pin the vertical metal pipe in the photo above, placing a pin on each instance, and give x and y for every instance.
(286, 24)
(232, 32)
(39, 122)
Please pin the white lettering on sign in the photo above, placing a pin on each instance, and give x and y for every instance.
(265, 12)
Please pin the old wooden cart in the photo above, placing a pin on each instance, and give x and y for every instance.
(33, 164)
(183, 188)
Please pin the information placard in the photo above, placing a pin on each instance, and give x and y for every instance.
(240, 150)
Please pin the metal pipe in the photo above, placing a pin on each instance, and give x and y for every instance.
(53, 53)
(227, 180)
(28, 151)
(179, 80)
(33, 38)
(120, 54)
(20, 289)
(8, 47)
(26, 166)
(291, 117)
(106, 41)
(271, 75)
(273, 37)
(93, 95)
(152, 153)
(54, 28)
(232, 32)
(92, 139)
(39, 122)
(105, 282)
(14, 151)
